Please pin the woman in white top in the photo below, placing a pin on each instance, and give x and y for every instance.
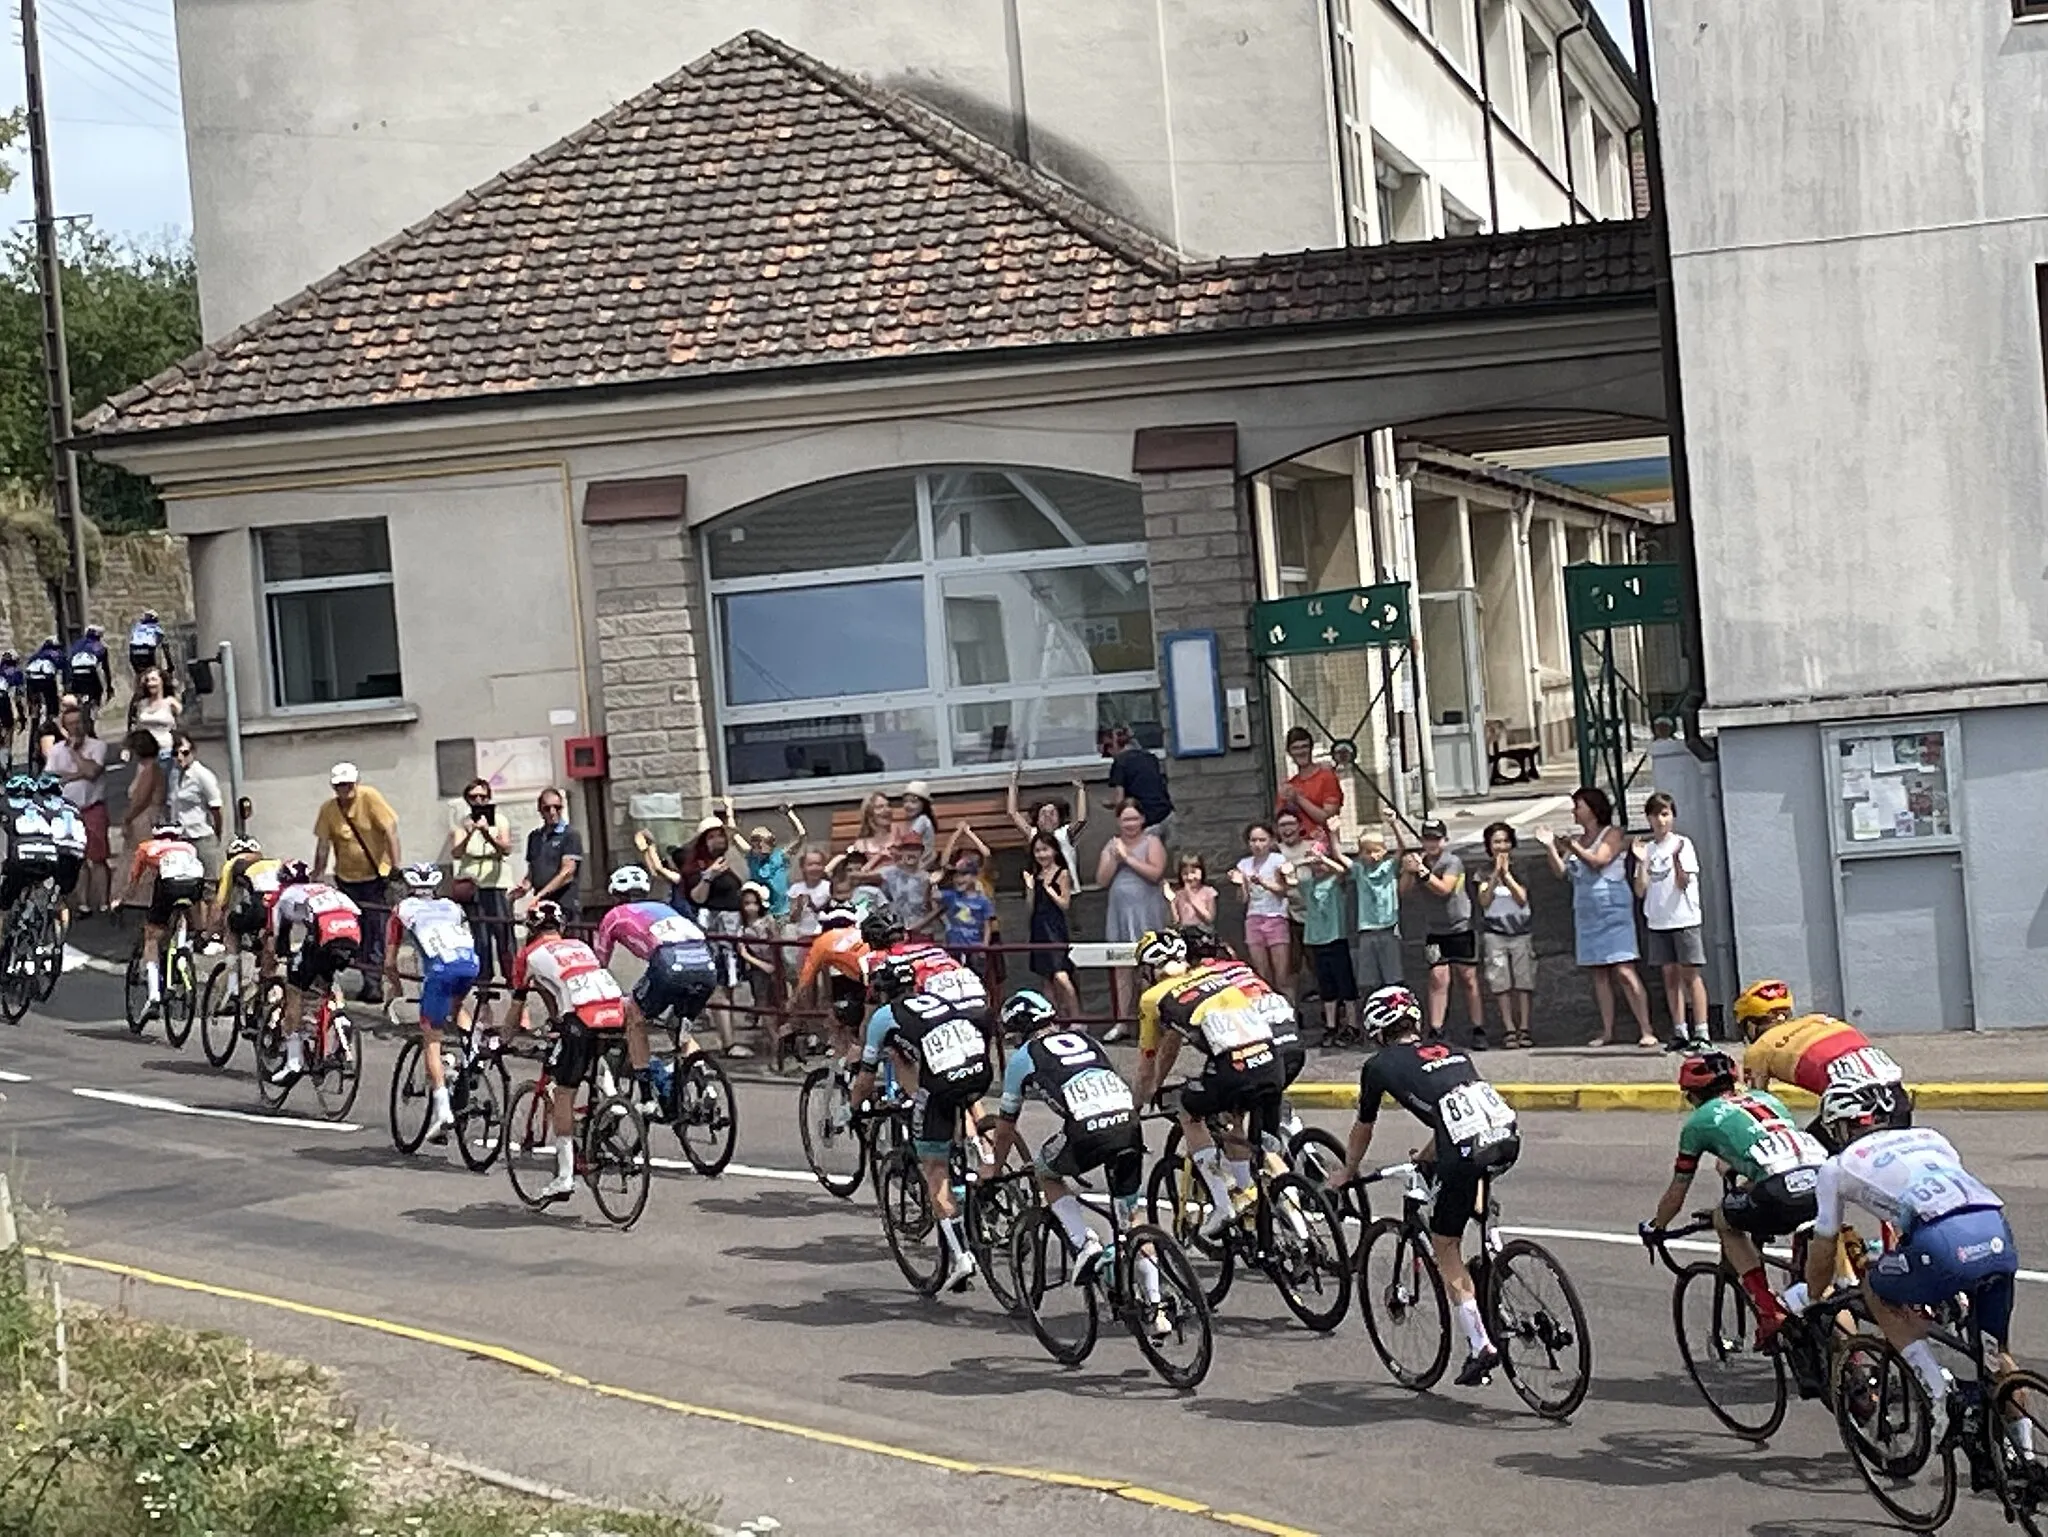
(156, 710)
(1048, 816)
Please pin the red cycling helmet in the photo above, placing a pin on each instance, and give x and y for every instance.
(1707, 1073)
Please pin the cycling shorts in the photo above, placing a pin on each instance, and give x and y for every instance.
(89, 689)
(247, 913)
(849, 1001)
(443, 988)
(314, 965)
(68, 866)
(1224, 1089)
(166, 895)
(668, 983)
(43, 694)
(1967, 1251)
(575, 1051)
(140, 660)
(18, 876)
(1771, 1208)
(935, 1116)
(1120, 1153)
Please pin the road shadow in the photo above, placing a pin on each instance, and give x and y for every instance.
(1665, 1390)
(1819, 1528)
(485, 1217)
(794, 1203)
(1634, 1459)
(1348, 1405)
(988, 1376)
(194, 1067)
(429, 1160)
(846, 1306)
(827, 1249)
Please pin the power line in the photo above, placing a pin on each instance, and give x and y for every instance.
(119, 36)
(134, 24)
(110, 64)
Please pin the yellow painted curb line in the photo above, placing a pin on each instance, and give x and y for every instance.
(1664, 1098)
(1136, 1493)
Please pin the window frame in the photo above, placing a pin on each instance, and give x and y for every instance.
(939, 695)
(2030, 10)
(266, 589)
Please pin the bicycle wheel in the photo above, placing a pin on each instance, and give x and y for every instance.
(181, 997)
(530, 1145)
(270, 1052)
(915, 1238)
(1315, 1155)
(17, 981)
(135, 994)
(993, 1213)
(338, 1071)
(1745, 1388)
(1305, 1252)
(1539, 1327)
(1401, 1297)
(707, 1119)
(481, 1094)
(1164, 1307)
(220, 1012)
(1065, 1318)
(49, 951)
(619, 1172)
(411, 1098)
(833, 1145)
(2019, 1462)
(1177, 1199)
(1885, 1423)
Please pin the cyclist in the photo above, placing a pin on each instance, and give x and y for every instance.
(146, 648)
(31, 855)
(1953, 1237)
(1233, 1019)
(1475, 1139)
(13, 704)
(441, 938)
(87, 672)
(839, 954)
(334, 933)
(67, 831)
(681, 974)
(582, 1001)
(947, 1039)
(1771, 1167)
(1070, 1070)
(1814, 1053)
(42, 676)
(180, 875)
(247, 887)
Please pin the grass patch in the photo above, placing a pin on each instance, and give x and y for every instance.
(167, 1432)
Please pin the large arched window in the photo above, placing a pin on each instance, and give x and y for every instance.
(932, 621)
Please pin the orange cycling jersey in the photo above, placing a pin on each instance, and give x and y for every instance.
(1801, 1052)
(172, 859)
(840, 951)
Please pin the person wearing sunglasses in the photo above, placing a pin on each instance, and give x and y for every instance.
(195, 802)
(554, 857)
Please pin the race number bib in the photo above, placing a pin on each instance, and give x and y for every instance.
(180, 864)
(674, 931)
(1097, 1092)
(1864, 1068)
(444, 941)
(592, 986)
(956, 984)
(1251, 1024)
(953, 1046)
(1473, 1113)
(1937, 1191)
(1785, 1149)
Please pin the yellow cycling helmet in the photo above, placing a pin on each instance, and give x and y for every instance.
(1763, 1003)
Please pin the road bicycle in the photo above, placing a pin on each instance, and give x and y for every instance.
(837, 1144)
(989, 1211)
(1142, 1278)
(1529, 1305)
(228, 1005)
(331, 1057)
(479, 1092)
(693, 1097)
(32, 957)
(610, 1137)
(180, 980)
(1290, 1229)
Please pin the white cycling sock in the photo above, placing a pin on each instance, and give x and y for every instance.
(295, 1050)
(1073, 1219)
(441, 1100)
(565, 1158)
(1241, 1173)
(1209, 1164)
(156, 981)
(1148, 1278)
(956, 1234)
(1920, 1356)
(1474, 1326)
(2021, 1434)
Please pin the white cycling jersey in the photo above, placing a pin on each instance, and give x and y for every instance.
(1906, 1178)
(439, 929)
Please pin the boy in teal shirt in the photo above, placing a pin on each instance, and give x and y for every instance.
(1324, 936)
(1375, 878)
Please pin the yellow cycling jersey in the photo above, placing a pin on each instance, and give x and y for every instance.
(1220, 1005)
(1799, 1051)
(257, 873)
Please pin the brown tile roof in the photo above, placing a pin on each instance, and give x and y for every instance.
(759, 209)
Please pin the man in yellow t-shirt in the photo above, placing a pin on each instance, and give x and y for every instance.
(359, 828)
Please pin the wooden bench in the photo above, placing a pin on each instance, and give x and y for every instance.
(985, 813)
(1511, 760)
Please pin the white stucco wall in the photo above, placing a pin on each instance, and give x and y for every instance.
(1858, 205)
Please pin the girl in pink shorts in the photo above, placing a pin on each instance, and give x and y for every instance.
(1262, 877)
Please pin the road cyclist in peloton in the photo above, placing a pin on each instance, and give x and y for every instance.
(179, 880)
(583, 1002)
(146, 648)
(838, 956)
(87, 672)
(247, 886)
(333, 926)
(439, 932)
(43, 682)
(1069, 1069)
(31, 854)
(1815, 1052)
(1771, 1166)
(1474, 1138)
(680, 974)
(67, 831)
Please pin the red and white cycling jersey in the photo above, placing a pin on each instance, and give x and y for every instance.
(938, 974)
(567, 973)
(327, 912)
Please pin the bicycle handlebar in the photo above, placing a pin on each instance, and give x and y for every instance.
(1658, 1241)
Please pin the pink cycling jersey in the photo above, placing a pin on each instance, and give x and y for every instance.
(643, 928)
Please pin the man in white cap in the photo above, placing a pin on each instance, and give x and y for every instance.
(360, 830)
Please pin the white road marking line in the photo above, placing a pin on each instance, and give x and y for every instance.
(1689, 1245)
(7, 1077)
(742, 1171)
(151, 1102)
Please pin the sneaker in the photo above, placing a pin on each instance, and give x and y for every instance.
(1478, 1368)
(560, 1188)
(1162, 1322)
(1086, 1258)
(1678, 1043)
(439, 1124)
(961, 1275)
(289, 1073)
(1479, 1040)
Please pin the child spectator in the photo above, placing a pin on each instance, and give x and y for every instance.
(1375, 878)
(965, 913)
(761, 956)
(809, 895)
(1051, 816)
(767, 865)
(1667, 882)
(1296, 838)
(1262, 878)
(950, 856)
(1191, 897)
(914, 812)
(1049, 887)
(1507, 950)
(905, 886)
(1323, 935)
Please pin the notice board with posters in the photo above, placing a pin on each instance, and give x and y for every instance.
(1890, 785)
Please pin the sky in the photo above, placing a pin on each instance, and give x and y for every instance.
(117, 148)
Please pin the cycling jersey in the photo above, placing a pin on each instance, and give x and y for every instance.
(1440, 1087)
(1071, 1072)
(567, 974)
(87, 664)
(1815, 1053)
(67, 828)
(1751, 1133)
(173, 861)
(329, 916)
(948, 1040)
(246, 875)
(144, 640)
(1222, 1006)
(648, 927)
(840, 951)
(1907, 1178)
(31, 840)
(440, 934)
(39, 675)
(939, 974)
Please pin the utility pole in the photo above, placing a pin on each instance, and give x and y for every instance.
(72, 593)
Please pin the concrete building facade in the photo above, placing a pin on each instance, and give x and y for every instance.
(1862, 335)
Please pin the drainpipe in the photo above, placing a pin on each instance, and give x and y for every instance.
(1486, 118)
(1564, 118)
(1685, 546)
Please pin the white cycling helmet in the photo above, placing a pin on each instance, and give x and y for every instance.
(631, 881)
(423, 877)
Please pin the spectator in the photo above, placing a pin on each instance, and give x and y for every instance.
(196, 807)
(1667, 881)
(554, 857)
(809, 894)
(1297, 844)
(710, 884)
(1507, 950)
(156, 710)
(761, 955)
(360, 831)
(1136, 775)
(1049, 888)
(1603, 911)
(1329, 952)
(914, 814)
(1313, 791)
(145, 800)
(875, 840)
(1191, 897)
(767, 865)
(1262, 878)
(1376, 881)
(1132, 866)
(1050, 816)
(477, 846)
(950, 857)
(1448, 944)
(80, 763)
(904, 885)
(965, 914)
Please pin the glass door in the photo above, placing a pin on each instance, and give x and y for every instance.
(1456, 703)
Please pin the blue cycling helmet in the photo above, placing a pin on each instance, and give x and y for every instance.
(20, 785)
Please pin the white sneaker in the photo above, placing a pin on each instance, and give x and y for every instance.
(961, 1275)
(1162, 1322)
(560, 1188)
(289, 1073)
(439, 1123)
(1086, 1258)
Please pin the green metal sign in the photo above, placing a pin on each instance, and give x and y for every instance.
(1350, 619)
(1615, 597)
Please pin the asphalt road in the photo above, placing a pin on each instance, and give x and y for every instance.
(762, 1296)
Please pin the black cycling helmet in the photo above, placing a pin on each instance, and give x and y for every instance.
(893, 977)
(881, 929)
(1027, 1013)
(1159, 948)
(1201, 940)
(293, 872)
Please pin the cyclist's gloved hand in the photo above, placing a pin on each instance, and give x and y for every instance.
(1649, 1232)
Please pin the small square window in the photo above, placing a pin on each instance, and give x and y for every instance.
(328, 605)
(2030, 10)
